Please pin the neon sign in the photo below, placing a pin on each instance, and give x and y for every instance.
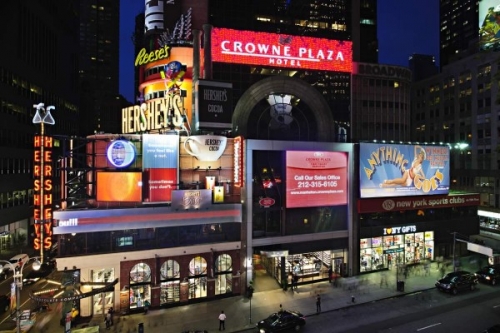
(145, 58)
(238, 161)
(42, 200)
(277, 50)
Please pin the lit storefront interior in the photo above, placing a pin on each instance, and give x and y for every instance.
(384, 251)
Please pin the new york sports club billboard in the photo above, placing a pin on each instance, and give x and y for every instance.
(392, 170)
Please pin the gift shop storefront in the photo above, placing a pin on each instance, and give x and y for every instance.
(395, 245)
(393, 231)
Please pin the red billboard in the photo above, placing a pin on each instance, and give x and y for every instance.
(315, 179)
(279, 50)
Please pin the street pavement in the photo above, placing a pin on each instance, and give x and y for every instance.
(243, 314)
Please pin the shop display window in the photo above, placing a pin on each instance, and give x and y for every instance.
(198, 277)
(170, 282)
(365, 243)
(376, 241)
(405, 249)
(409, 239)
(140, 273)
(103, 301)
(140, 288)
(139, 295)
(223, 274)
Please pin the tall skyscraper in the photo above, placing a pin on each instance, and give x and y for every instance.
(98, 62)
(40, 66)
(334, 19)
(458, 29)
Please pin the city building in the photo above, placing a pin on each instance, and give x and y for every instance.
(98, 65)
(459, 106)
(380, 103)
(40, 67)
(422, 66)
(458, 30)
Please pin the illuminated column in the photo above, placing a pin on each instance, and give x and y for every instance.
(42, 170)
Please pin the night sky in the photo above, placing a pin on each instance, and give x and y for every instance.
(405, 27)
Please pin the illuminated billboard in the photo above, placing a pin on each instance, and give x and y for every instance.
(160, 155)
(129, 189)
(316, 179)
(489, 27)
(279, 50)
(390, 170)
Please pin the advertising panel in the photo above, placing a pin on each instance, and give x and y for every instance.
(489, 27)
(191, 199)
(161, 166)
(214, 104)
(391, 170)
(315, 179)
(380, 205)
(129, 189)
(278, 50)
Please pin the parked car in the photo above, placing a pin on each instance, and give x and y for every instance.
(281, 321)
(4, 303)
(493, 329)
(457, 281)
(16, 261)
(45, 269)
(489, 274)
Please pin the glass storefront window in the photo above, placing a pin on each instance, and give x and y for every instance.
(223, 274)
(140, 288)
(170, 282)
(170, 270)
(141, 272)
(198, 277)
(404, 249)
(103, 301)
(365, 243)
(139, 295)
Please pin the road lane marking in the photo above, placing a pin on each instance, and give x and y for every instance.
(496, 306)
(426, 327)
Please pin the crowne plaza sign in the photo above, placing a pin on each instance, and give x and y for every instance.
(279, 50)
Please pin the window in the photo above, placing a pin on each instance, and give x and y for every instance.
(223, 274)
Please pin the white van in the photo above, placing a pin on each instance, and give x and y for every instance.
(16, 261)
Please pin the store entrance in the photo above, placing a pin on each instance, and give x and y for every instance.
(306, 267)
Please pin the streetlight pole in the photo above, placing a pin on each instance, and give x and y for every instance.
(454, 245)
(18, 281)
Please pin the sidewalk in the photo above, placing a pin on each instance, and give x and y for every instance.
(241, 317)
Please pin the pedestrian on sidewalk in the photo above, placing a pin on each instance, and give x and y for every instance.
(330, 273)
(318, 303)
(107, 320)
(146, 306)
(222, 320)
(281, 308)
(110, 313)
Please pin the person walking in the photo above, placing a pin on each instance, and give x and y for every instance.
(330, 273)
(222, 320)
(318, 303)
(146, 306)
(107, 320)
(110, 313)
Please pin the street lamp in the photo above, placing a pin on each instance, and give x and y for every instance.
(18, 282)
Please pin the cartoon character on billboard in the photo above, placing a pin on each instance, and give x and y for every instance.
(409, 174)
(490, 28)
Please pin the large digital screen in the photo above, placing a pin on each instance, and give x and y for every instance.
(316, 179)
(280, 50)
(160, 155)
(489, 27)
(391, 170)
(119, 186)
